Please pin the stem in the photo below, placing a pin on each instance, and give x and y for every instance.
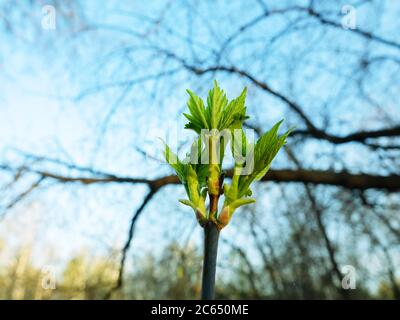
(211, 235)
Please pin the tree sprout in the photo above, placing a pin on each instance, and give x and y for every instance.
(201, 173)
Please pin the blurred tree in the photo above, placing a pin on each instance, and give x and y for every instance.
(85, 278)
(176, 274)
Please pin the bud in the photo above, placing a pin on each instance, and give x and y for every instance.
(224, 217)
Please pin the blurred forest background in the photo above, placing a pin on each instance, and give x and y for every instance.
(88, 210)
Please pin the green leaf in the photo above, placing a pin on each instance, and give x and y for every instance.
(239, 144)
(173, 160)
(235, 113)
(216, 102)
(196, 151)
(193, 184)
(265, 151)
(197, 110)
(262, 173)
(187, 203)
(202, 172)
(219, 114)
(241, 202)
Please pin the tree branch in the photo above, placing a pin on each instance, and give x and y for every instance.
(345, 179)
(357, 31)
(128, 241)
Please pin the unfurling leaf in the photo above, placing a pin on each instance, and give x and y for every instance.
(217, 123)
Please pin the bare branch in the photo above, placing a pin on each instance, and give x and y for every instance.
(357, 31)
(128, 242)
(23, 195)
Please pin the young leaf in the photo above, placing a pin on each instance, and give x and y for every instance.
(265, 151)
(267, 148)
(197, 117)
(216, 102)
(219, 121)
(235, 113)
(173, 160)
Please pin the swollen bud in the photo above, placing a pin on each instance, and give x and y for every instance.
(224, 217)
